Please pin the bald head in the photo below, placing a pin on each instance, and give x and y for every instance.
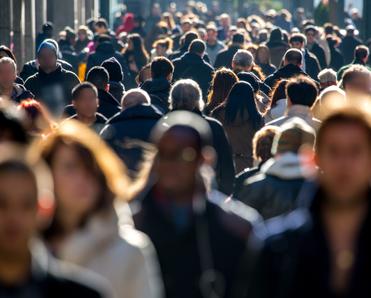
(135, 97)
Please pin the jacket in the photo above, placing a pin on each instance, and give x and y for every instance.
(312, 67)
(31, 67)
(53, 89)
(158, 89)
(278, 110)
(319, 52)
(108, 105)
(285, 72)
(123, 255)
(213, 50)
(347, 47)
(300, 111)
(224, 57)
(275, 188)
(117, 90)
(212, 240)
(20, 93)
(97, 126)
(192, 66)
(294, 259)
(240, 135)
(129, 126)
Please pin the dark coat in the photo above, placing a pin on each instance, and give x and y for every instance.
(336, 58)
(267, 69)
(117, 89)
(98, 125)
(277, 47)
(319, 52)
(31, 67)
(347, 47)
(132, 124)
(312, 67)
(215, 232)
(108, 105)
(224, 57)
(192, 66)
(158, 90)
(20, 93)
(285, 72)
(295, 259)
(53, 89)
(184, 50)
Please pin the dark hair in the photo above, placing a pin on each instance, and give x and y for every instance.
(139, 52)
(47, 27)
(197, 46)
(238, 38)
(298, 37)
(241, 103)
(8, 52)
(278, 92)
(259, 49)
(294, 56)
(361, 52)
(250, 78)
(161, 67)
(188, 38)
(98, 76)
(301, 91)
(82, 86)
(101, 23)
(12, 126)
(263, 141)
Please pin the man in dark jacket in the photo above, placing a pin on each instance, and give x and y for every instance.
(158, 87)
(310, 62)
(274, 190)
(313, 46)
(192, 66)
(129, 131)
(323, 249)
(292, 63)
(277, 46)
(361, 54)
(224, 57)
(186, 95)
(52, 84)
(349, 44)
(199, 238)
(8, 76)
(116, 77)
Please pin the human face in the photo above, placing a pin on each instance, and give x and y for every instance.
(297, 45)
(344, 157)
(160, 50)
(177, 162)
(211, 35)
(76, 188)
(311, 37)
(18, 212)
(262, 55)
(86, 105)
(8, 75)
(47, 60)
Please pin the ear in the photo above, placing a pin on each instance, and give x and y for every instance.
(107, 88)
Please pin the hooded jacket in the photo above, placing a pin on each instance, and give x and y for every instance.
(277, 46)
(117, 90)
(158, 89)
(108, 105)
(31, 67)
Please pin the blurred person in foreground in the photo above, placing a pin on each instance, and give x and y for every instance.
(323, 249)
(26, 268)
(92, 226)
(200, 237)
(356, 82)
(275, 188)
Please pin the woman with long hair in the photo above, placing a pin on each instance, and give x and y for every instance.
(91, 227)
(241, 120)
(221, 84)
(278, 100)
(263, 60)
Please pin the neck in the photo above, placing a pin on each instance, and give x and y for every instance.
(50, 70)
(87, 119)
(14, 269)
(6, 90)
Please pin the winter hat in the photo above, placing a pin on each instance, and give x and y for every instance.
(47, 44)
(114, 69)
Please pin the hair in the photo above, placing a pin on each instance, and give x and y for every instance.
(243, 58)
(101, 23)
(221, 84)
(161, 67)
(241, 103)
(327, 75)
(139, 52)
(361, 52)
(165, 43)
(345, 116)
(12, 124)
(238, 38)
(135, 96)
(354, 72)
(98, 76)
(186, 94)
(301, 91)
(298, 37)
(7, 60)
(82, 86)
(259, 49)
(8, 52)
(293, 56)
(263, 141)
(188, 38)
(197, 46)
(330, 96)
(140, 77)
(278, 92)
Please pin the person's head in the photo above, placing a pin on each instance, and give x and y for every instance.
(238, 39)
(135, 42)
(293, 56)
(327, 77)
(135, 97)
(212, 33)
(99, 77)
(101, 26)
(182, 139)
(47, 55)
(163, 46)
(294, 136)
(250, 78)
(328, 99)
(301, 91)
(311, 34)
(186, 25)
(241, 104)
(114, 69)
(83, 33)
(87, 175)
(144, 74)
(242, 60)
(12, 124)
(263, 55)
(357, 80)
(225, 20)
(350, 30)
(221, 84)
(85, 100)
(262, 143)
(161, 67)
(48, 29)
(278, 92)
(298, 41)
(186, 95)
(6, 52)
(197, 47)
(361, 54)
(8, 73)
(188, 38)
(343, 154)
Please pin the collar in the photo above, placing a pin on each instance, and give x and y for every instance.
(299, 111)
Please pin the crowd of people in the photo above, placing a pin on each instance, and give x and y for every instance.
(187, 155)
